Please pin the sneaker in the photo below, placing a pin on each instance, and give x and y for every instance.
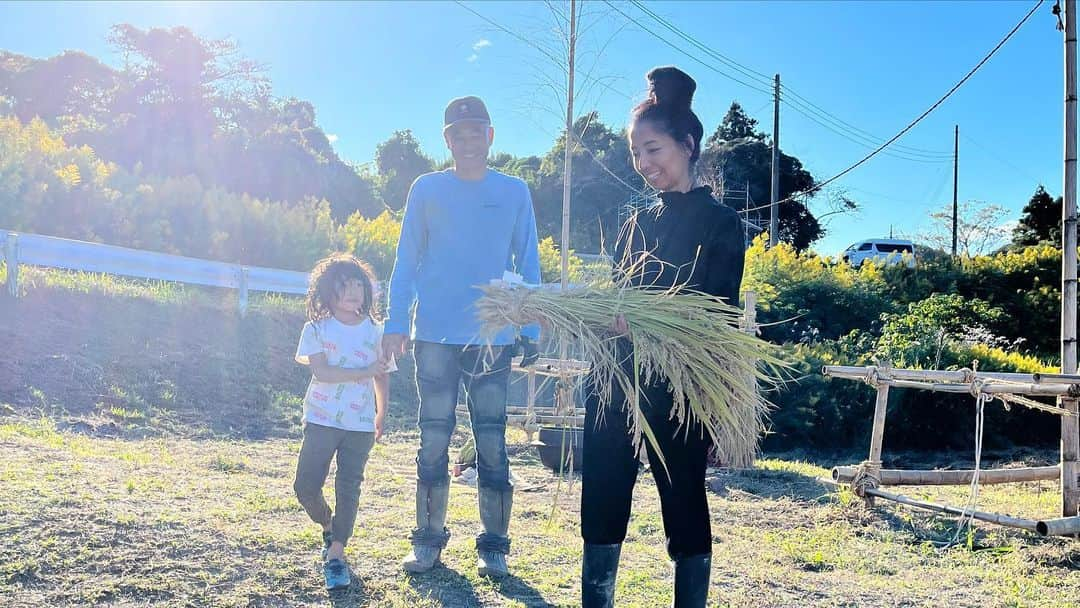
(337, 574)
(327, 539)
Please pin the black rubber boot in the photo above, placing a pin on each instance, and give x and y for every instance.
(598, 570)
(692, 581)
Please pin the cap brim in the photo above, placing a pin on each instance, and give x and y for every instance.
(471, 121)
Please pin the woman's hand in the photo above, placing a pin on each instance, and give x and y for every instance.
(619, 326)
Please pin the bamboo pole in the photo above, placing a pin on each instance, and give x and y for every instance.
(1070, 378)
(1062, 526)
(520, 420)
(568, 149)
(1044, 390)
(928, 375)
(994, 518)
(530, 407)
(524, 410)
(749, 318)
(554, 367)
(557, 420)
(897, 477)
(1070, 425)
(878, 432)
(955, 382)
(11, 259)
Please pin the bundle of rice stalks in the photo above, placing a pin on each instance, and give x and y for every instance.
(690, 338)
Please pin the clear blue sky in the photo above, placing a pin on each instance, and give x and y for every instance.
(372, 68)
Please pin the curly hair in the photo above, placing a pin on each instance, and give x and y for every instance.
(327, 279)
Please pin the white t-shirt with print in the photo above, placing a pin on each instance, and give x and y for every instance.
(343, 405)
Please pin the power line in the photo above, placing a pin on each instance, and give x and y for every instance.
(684, 52)
(595, 158)
(924, 114)
(506, 30)
(799, 103)
(763, 79)
(536, 46)
(1023, 173)
(912, 157)
(821, 111)
(576, 140)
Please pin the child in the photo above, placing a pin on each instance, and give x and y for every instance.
(346, 402)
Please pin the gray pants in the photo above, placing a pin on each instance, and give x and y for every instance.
(318, 449)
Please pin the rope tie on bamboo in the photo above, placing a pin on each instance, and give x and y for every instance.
(564, 391)
(967, 518)
(872, 376)
(867, 477)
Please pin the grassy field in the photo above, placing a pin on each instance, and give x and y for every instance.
(203, 522)
(147, 446)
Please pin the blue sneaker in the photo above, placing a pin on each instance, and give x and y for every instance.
(337, 574)
(327, 539)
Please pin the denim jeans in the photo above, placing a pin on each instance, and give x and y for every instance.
(485, 373)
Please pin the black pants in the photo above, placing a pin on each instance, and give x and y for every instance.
(610, 468)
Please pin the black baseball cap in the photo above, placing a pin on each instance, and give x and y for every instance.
(465, 109)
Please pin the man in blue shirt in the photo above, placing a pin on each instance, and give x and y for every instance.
(463, 227)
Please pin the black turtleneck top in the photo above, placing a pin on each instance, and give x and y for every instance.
(683, 238)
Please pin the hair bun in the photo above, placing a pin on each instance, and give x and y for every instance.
(670, 86)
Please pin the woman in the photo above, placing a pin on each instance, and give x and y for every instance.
(684, 238)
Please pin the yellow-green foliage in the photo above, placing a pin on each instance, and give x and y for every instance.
(997, 359)
(373, 240)
(804, 297)
(1014, 261)
(551, 263)
(769, 271)
(51, 188)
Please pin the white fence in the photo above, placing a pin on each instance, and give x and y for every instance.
(53, 252)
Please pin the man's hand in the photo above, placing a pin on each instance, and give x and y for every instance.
(394, 345)
(528, 351)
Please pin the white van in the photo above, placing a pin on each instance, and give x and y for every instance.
(881, 251)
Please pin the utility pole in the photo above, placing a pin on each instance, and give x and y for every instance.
(774, 191)
(955, 181)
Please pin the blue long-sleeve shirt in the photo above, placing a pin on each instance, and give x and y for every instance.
(458, 234)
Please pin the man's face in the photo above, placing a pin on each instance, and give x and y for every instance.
(469, 143)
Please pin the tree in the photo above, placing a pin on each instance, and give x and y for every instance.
(1041, 220)
(184, 105)
(604, 184)
(979, 228)
(738, 156)
(736, 125)
(400, 161)
(72, 83)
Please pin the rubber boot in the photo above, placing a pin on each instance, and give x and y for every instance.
(598, 569)
(493, 545)
(431, 534)
(692, 581)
